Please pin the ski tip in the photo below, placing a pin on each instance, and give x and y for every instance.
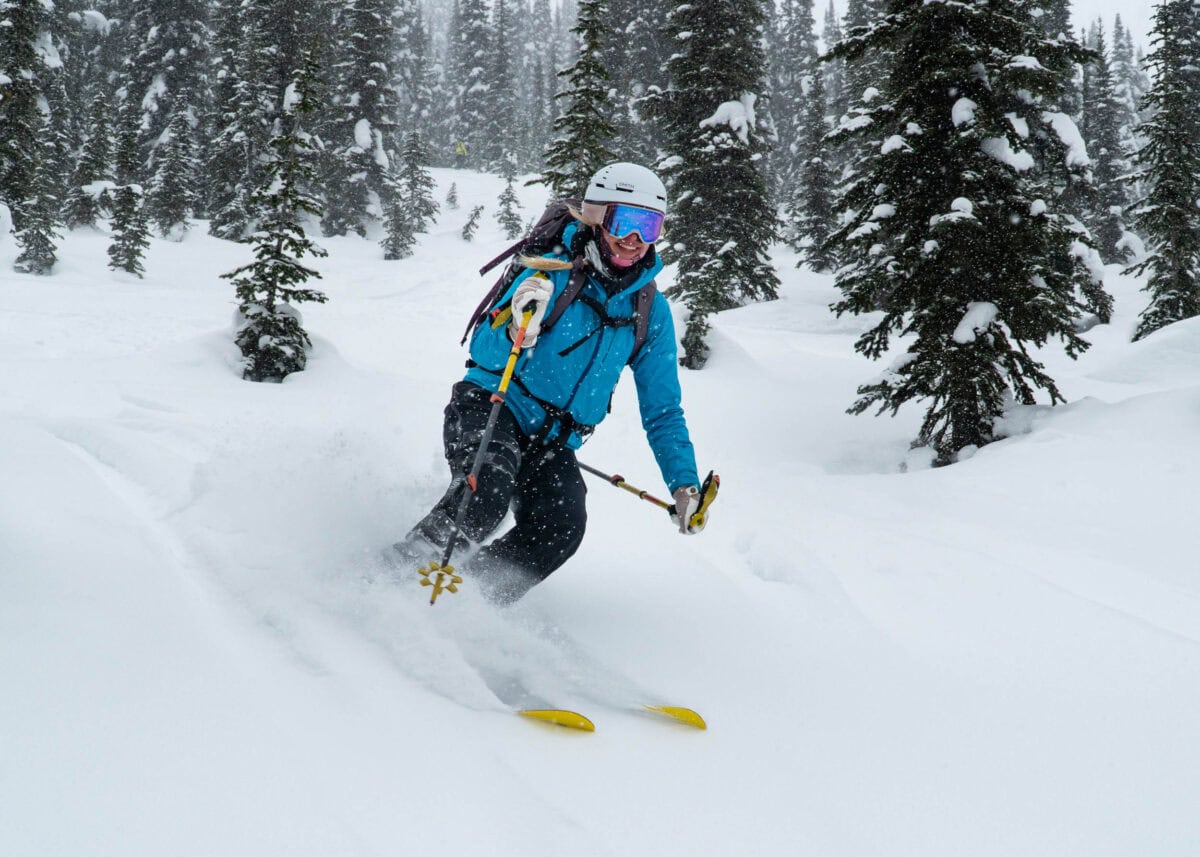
(560, 717)
(682, 715)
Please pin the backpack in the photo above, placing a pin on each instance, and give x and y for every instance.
(545, 237)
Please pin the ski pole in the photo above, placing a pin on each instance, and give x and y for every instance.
(443, 571)
(708, 493)
(619, 482)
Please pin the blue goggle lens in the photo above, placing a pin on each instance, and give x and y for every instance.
(623, 220)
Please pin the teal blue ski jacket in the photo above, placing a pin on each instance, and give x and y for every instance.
(563, 385)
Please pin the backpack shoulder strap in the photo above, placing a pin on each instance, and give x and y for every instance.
(645, 302)
(574, 286)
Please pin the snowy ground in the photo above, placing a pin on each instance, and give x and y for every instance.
(200, 655)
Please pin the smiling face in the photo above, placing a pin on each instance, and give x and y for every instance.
(625, 251)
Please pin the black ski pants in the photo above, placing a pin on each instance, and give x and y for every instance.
(540, 483)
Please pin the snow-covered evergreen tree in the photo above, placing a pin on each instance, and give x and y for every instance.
(130, 235)
(271, 336)
(863, 76)
(950, 228)
(501, 137)
(583, 131)
(1129, 79)
(22, 76)
(167, 66)
(412, 208)
(792, 64)
(226, 153)
(508, 208)
(30, 172)
(35, 219)
(471, 53)
(85, 199)
(472, 224)
(362, 120)
(452, 196)
(76, 74)
(635, 54)
(722, 221)
(59, 140)
(171, 197)
(810, 204)
(1056, 18)
(803, 175)
(1101, 128)
(835, 70)
(1130, 84)
(1169, 164)
(414, 75)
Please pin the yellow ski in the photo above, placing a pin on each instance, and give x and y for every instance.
(559, 717)
(678, 714)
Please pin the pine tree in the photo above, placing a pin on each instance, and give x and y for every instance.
(500, 101)
(864, 74)
(721, 219)
(364, 111)
(29, 172)
(130, 237)
(508, 208)
(76, 79)
(471, 51)
(171, 198)
(583, 130)
(34, 219)
(414, 76)
(166, 67)
(452, 196)
(226, 154)
(634, 56)
(1102, 134)
(811, 203)
(413, 208)
(85, 200)
(1056, 18)
(272, 339)
(835, 70)
(1169, 164)
(22, 74)
(1129, 80)
(1130, 85)
(804, 182)
(951, 230)
(468, 230)
(60, 148)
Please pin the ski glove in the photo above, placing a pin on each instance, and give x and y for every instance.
(535, 290)
(687, 501)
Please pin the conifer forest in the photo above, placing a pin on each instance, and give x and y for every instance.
(964, 170)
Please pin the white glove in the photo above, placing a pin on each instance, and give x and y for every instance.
(536, 290)
(687, 501)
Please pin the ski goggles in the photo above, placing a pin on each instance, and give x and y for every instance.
(622, 220)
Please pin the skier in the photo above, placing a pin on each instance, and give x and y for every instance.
(560, 391)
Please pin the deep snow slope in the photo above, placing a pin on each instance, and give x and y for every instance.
(202, 654)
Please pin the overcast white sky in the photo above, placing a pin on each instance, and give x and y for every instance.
(1135, 14)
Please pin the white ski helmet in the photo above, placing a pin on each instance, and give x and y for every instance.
(623, 182)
